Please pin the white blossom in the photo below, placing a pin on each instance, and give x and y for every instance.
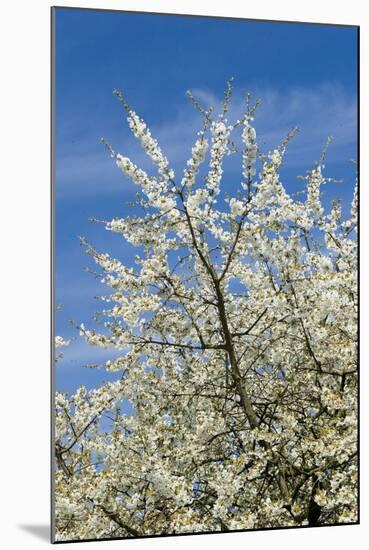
(234, 328)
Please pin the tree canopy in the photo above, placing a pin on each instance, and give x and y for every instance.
(236, 329)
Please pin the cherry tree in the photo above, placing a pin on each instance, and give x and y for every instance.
(236, 328)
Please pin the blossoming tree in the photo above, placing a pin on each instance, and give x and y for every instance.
(236, 330)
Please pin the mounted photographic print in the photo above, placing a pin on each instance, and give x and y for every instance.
(204, 275)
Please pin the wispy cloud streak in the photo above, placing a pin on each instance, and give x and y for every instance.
(318, 112)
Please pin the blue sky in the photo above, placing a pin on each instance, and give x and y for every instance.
(304, 75)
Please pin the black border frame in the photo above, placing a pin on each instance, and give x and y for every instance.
(52, 268)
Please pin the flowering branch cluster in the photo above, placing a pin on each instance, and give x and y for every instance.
(237, 329)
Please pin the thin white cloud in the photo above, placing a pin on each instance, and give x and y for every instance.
(79, 290)
(318, 112)
(79, 353)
